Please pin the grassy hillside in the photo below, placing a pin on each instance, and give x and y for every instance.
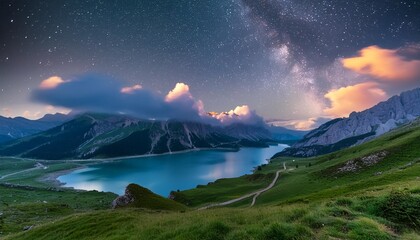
(344, 218)
(26, 201)
(371, 191)
(319, 177)
(144, 198)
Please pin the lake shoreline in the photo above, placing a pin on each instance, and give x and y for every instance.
(104, 160)
(144, 155)
(53, 178)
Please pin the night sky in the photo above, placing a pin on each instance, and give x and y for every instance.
(303, 61)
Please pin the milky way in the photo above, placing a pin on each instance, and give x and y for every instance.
(279, 57)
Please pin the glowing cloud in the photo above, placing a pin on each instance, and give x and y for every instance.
(29, 115)
(301, 124)
(181, 90)
(243, 110)
(49, 109)
(51, 82)
(242, 114)
(111, 97)
(130, 90)
(384, 64)
(354, 98)
(305, 124)
(7, 112)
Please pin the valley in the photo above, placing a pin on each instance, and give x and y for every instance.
(109, 136)
(210, 120)
(313, 198)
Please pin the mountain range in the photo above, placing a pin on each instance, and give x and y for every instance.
(18, 127)
(102, 136)
(93, 135)
(283, 134)
(359, 127)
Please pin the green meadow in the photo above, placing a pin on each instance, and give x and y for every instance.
(370, 191)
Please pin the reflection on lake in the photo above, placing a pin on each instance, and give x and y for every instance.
(165, 173)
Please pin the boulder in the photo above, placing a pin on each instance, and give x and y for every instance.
(124, 200)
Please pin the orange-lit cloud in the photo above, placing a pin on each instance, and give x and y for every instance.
(239, 112)
(305, 124)
(301, 124)
(30, 115)
(243, 110)
(49, 109)
(7, 112)
(354, 98)
(129, 90)
(384, 64)
(242, 114)
(180, 90)
(51, 82)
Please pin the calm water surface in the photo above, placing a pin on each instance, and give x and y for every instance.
(165, 173)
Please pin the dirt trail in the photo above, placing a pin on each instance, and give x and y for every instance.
(37, 166)
(255, 194)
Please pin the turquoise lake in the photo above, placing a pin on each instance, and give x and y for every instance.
(168, 172)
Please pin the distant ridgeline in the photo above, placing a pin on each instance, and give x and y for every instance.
(104, 136)
(18, 127)
(359, 127)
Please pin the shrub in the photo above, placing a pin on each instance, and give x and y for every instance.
(366, 229)
(341, 212)
(214, 231)
(344, 202)
(284, 231)
(402, 208)
(316, 220)
(296, 214)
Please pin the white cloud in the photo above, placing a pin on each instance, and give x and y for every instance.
(130, 90)
(181, 90)
(51, 82)
(242, 114)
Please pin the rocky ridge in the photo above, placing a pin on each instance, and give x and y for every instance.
(359, 127)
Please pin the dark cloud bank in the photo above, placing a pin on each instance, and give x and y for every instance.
(97, 93)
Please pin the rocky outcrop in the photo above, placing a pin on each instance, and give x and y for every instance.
(124, 200)
(359, 127)
(136, 196)
(359, 163)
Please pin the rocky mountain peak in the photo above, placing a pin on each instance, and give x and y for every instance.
(359, 126)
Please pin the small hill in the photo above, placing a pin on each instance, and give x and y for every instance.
(139, 197)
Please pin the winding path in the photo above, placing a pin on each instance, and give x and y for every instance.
(255, 194)
(37, 166)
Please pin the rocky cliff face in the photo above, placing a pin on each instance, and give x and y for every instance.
(359, 126)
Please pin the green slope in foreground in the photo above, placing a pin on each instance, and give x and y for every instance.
(371, 191)
(144, 198)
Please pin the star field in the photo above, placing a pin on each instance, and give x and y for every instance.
(278, 56)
